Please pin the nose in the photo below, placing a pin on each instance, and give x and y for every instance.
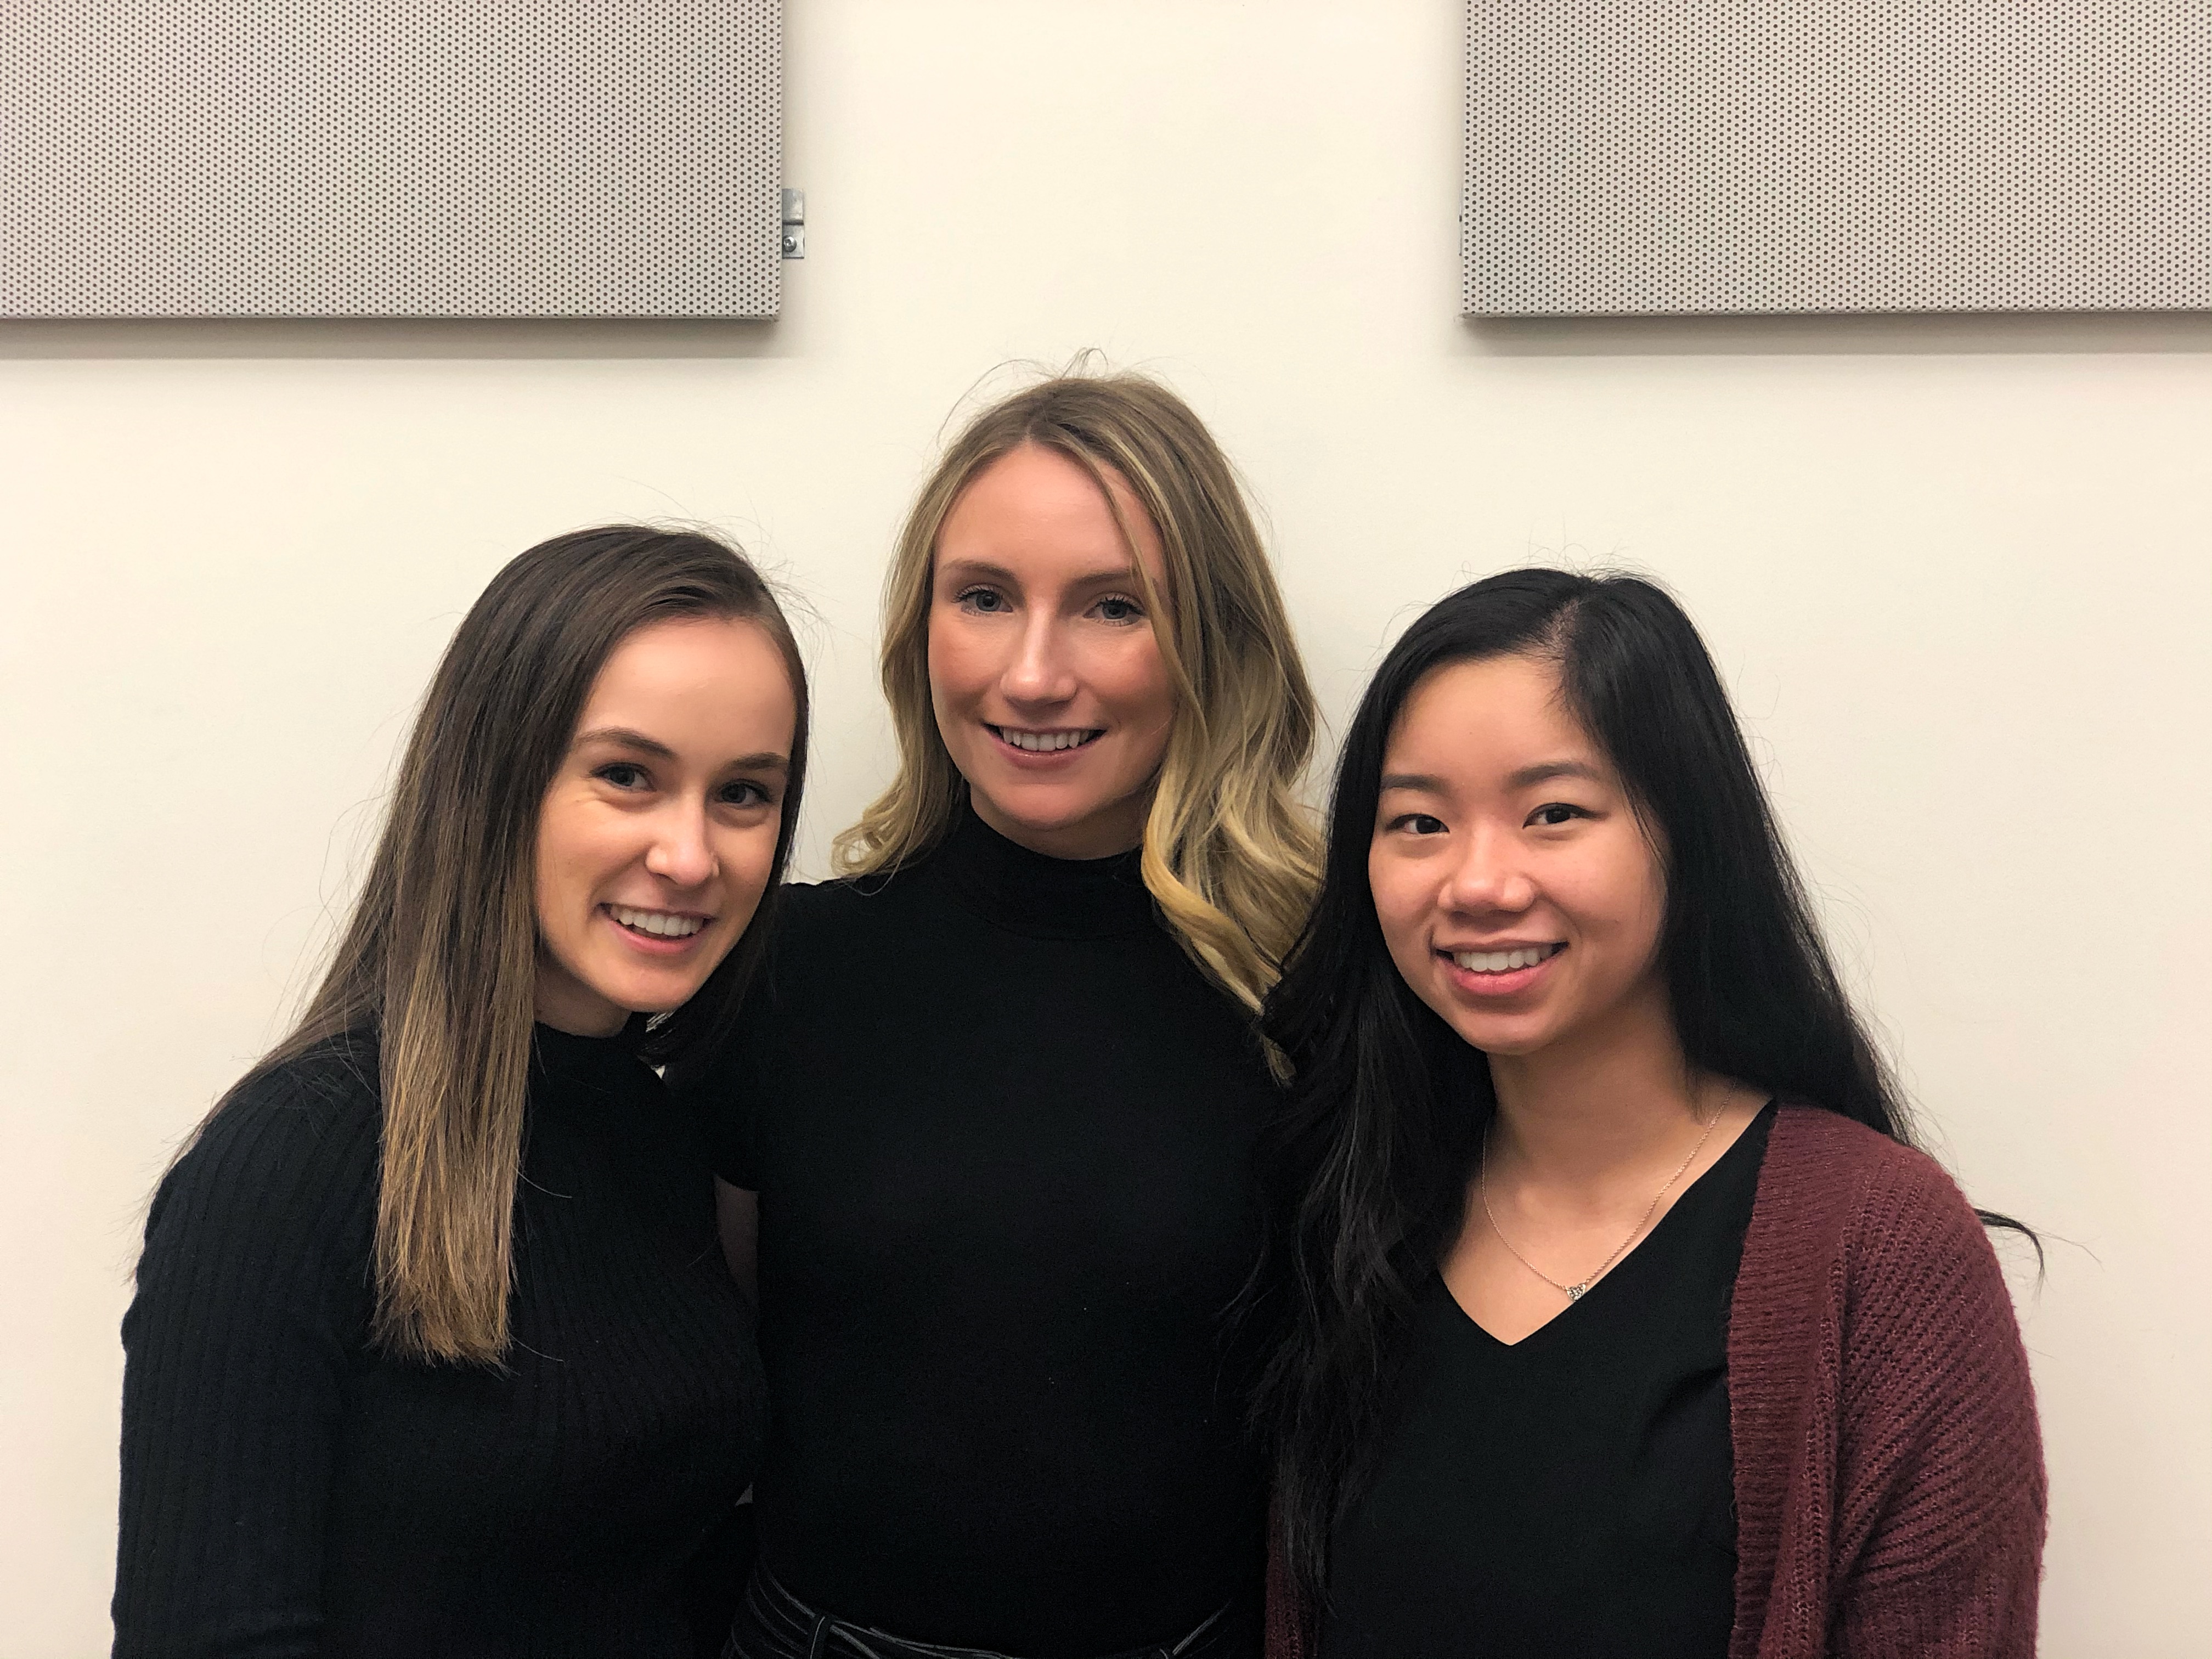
(1488, 877)
(1040, 670)
(681, 854)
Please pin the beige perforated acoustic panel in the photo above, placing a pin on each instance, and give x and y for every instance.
(390, 158)
(1631, 156)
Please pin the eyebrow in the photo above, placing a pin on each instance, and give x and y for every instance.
(1544, 771)
(624, 736)
(1422, 781)
(1121, 576)
(1527, 777)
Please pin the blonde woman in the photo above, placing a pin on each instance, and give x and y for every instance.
(432, 1351)
(985, 1134)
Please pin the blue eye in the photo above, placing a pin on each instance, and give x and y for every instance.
(747, 792)
(1118, 608)
(984, 601)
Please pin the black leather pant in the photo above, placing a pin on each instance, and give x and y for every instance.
(774, 1624)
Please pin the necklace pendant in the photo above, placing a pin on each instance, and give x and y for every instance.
(1574, 1291)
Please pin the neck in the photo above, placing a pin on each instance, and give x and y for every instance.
(1113, 829)
(1594, 1100)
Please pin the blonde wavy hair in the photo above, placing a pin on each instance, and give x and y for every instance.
(1230, 854)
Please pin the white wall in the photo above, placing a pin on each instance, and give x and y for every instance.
(1956, 571)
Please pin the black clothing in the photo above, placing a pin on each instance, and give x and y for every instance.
(290, 1490)
(1001, 1129)
(774, 1624)
(1573, 1493)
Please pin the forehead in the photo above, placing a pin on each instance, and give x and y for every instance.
(1039, 515)
(693, 671)
(1473, 722)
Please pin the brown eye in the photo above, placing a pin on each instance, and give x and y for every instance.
(1555, 813)
(622, 775)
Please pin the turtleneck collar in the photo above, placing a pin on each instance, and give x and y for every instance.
(562, 1057)
(1026, 892)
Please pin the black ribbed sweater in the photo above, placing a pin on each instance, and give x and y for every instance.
(290, 1490)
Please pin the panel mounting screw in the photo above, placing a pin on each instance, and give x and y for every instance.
(794, 224)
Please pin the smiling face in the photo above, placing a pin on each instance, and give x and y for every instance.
(657, 836)
(1048, 685)
(1515, 886)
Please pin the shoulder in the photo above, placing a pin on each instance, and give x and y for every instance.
(817, 925)
(293, 1148)
(1867, 1188)
(807, 906)
(1881, 1236)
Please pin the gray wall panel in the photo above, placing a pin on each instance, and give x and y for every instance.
(1805, 155)
(390, 158)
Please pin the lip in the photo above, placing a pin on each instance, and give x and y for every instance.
(1051, 760)
(651, 945)
(1489, 986)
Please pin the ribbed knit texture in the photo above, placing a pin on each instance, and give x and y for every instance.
(1889, 1481)
(288, 1490)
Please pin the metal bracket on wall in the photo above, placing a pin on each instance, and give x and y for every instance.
(794, 224)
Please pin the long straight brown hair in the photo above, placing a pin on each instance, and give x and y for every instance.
(438, 960)
(1230, 854)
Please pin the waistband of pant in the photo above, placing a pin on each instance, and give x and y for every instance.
(806, 1632)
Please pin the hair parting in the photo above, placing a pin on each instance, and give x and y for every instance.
(1230, 854)
(1368, 1170)
(437, 962)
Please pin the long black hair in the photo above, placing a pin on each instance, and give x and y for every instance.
(1387, 1107)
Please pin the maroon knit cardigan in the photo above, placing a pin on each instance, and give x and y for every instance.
(1889, 1486)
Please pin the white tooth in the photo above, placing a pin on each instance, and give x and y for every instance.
(1523, 958)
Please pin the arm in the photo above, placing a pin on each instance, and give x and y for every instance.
(235, 1347)
(1940, 1490)
(737, 1217)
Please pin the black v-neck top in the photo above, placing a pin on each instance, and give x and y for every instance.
(290, 1490)
(1001, 1129)
(1571, 1494)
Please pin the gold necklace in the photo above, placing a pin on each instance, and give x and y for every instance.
(1574, 1292)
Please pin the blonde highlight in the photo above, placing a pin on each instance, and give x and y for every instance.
(1230, 854)
(438, 959)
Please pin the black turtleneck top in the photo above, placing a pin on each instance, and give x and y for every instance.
(289, 1490)
(1001, 1128)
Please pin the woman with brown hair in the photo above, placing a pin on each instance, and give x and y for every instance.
(432, 1351)
(985, 1133)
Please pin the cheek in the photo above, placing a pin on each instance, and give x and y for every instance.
(1135, 686)
(1401, 908)
(564, 857)
(1625, 895)
(958, 666)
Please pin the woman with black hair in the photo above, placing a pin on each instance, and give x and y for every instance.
(1620, 1316)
